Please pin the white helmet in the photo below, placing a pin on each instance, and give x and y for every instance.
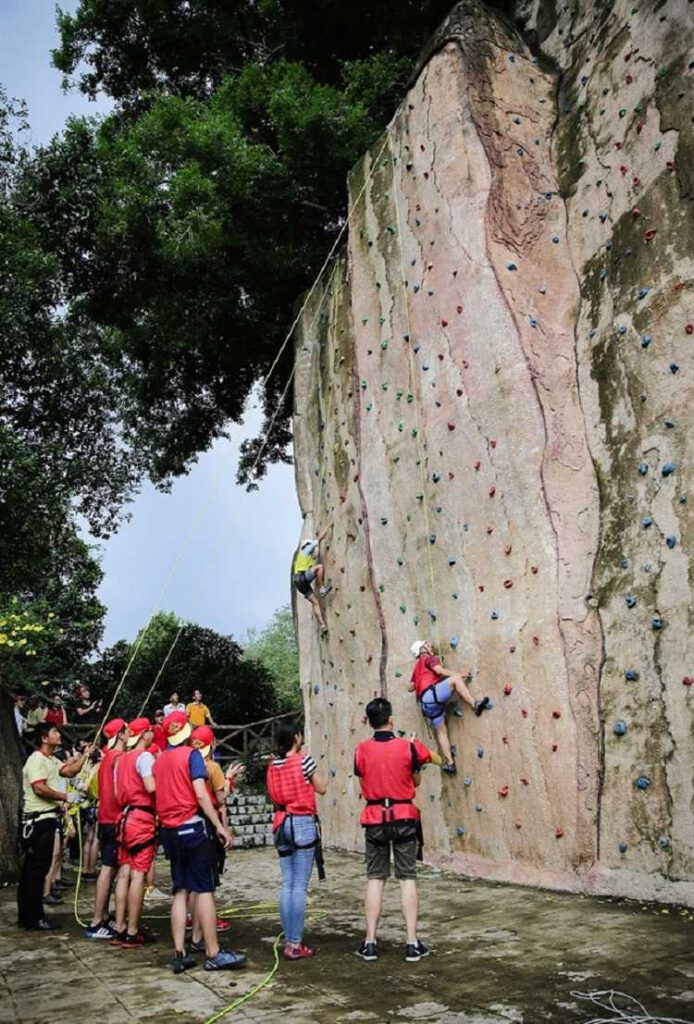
(416, 648)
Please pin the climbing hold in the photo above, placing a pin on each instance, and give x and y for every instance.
(508, 549)
(525, 781)
(480, 752)
(534, 570)
(623, 847)
(622, 329)
(668, 469)
(503, 791)
(432, 615)
(558, 832)
(671, 541)
(663, 842)
(508, 584)
(511, 266)
(643, 468)
(451, 426)
(689, 328)
(687, 680)
(642, 293)
(650, 234)
(508, 689)
(619, 728)
(460, 830)
(492, 491)
(646, 522)
(495, 614)
(556, 713)
(436, 477)
(555, 746)
(635, 212)
(631, 674)
(467, 781)
(316, 688)
(524, 712)
(451, 560)
(384, 520)
(643, 782)
(646, 340)
(630, 601)
(657, 622)
(555, 239)
(432, 538)
(674, 367)
(454, 642)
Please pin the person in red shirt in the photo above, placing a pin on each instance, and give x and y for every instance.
(55, 713)
(388, 768)
(180, 776)
(434, 686)
(158, 730)
(137, 832)
(108, 812)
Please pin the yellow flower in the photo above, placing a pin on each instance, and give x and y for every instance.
(22, 642)
(3, 638)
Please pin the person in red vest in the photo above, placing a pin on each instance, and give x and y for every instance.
(202, 739)
(434, 686)
(388, 769)
(159, 738)
(107, 815)
(181, 795)
(292, 783)
(137, 832)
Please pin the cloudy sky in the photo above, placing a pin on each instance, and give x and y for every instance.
(234, 572)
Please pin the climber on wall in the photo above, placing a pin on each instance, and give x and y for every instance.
(307, 567)
(434, 686)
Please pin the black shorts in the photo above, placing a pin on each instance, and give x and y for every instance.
(189, 851)
(302, 582)
(400, 836)
(109, 845)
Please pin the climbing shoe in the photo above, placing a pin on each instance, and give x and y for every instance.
(225, 960)
(415, 951)
(300, 952)
(324, 591)
(481, 705)
(323, 630)
(182, 962)
(450, 768)
(368, 951)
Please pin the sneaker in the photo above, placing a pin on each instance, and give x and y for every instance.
(415, 951)
(182, 962)
(44, 925)
(52, 899)
(368, 951)
(60, 885)
(137, 940)
(324, 591)
(225, 960)
(99, 931)
(222, 925)
(450, 768)
(300, 952)
(481, 705)
(118, 938)
(197, 947)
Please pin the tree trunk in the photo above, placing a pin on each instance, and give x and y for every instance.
(10, 787)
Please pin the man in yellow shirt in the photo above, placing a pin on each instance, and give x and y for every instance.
(43, 796)
(306, 568)
(198, 713)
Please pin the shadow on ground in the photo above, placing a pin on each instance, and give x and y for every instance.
(500, 954)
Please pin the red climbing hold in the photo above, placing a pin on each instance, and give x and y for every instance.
(627, 56)
(477, 464)
(534, 570)
(451, 476)
(451, 426)
(629, 79)
(355, 478)
(410, 106)
(369, 659)
(689, 328)
(444, 323)
(459, 309)
(512, 649)
(503, 791)
(493, 443)
(480, 587)
(422, 146)
(688, 681)
(536, 641)
(559, 832)
(508, 689)
(524, 712)
(466, 365)
(618, 145)
(504, 739)
(459, 392)
(639, 127)
(490, 529)
(525, 780)
(623, 169)
(441, 353)
(650, 234)
(635, 213)
(635, 181)
(508, 548)
(492, 491)
(555, 746)
(508, 584)
(518, 823)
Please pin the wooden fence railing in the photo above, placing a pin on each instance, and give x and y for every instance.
(240, 742)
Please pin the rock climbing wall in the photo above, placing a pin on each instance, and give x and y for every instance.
(491, 405)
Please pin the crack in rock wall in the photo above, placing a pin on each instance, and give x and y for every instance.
(503, 451)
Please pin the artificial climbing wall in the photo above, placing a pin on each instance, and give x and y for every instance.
(491, 403)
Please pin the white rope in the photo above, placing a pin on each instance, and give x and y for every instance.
(630, 1012)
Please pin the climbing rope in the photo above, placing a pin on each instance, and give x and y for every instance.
(631, 1012)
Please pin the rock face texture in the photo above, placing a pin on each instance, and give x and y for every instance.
(492, 392)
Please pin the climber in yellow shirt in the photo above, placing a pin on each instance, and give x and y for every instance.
(307, 567)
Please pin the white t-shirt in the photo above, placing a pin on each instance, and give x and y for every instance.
(174, 707)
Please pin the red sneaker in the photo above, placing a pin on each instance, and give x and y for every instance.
(189, 922)
(222, 925)
(300, 952)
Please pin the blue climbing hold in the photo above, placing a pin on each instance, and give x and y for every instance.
(643, 468)
(646, 522)
(643, 782)
(432, 538)
(630, 601)
(316, 688)
(657, 622)
(478, 807)
(642, 293)
(646, 341)
(671, 541)
(333, 772)
(624, 563)
(455, 596)
(454, 642)
(425, 366)
(511, 266)
(533, 321)
(663, 842)
(668, 469)
(432, 615)
(480, 752)
(548, 195)
(602, 217)
(619, 728)
(436, 477)
(622, 329)
(460, 830)
(517, 120)
(669, 424)
(495, 614)
(623, 847)
(467, 781)
(555, 239)
(631, 674)
(520, 151)
(451, 560)
(674, 368)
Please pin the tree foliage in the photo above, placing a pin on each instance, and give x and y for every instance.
(275, 647)
(185, 656)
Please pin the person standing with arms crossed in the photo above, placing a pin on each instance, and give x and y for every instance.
(388, 769)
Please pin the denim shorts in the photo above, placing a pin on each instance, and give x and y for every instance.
(433, 702)
(189, 851)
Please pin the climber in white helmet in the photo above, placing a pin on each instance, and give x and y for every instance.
(434, 687)
(307, 567)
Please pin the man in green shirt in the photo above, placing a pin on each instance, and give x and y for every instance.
(306, 568)
(42, 800)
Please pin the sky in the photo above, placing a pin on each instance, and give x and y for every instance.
(232, 571)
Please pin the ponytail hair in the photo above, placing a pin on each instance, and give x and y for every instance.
(285, 734)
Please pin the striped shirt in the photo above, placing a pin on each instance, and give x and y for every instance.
(308, 765)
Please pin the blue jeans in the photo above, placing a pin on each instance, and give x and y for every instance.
(296, 870)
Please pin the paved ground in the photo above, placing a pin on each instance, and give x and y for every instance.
(500, 954)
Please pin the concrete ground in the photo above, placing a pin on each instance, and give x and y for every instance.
(500, 954)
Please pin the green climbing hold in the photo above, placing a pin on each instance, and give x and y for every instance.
(384, 520)
(382, 587)
(401, 427)
(369, 407)
(414, 431)
(623, 112)
(657, 146)
(400, 561)
(396, 458)
(381, 320)
(384, 345)
(384, 387)
(419, 497)
(365, 319)
(399, 394)
(416, 620)
(398, 674)
(410, 398)
(363, 385)
(403, 608)
(638, 108)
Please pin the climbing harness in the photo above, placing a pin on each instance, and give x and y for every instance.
(282, 838)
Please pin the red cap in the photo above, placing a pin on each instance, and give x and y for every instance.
(176, 728)
(202, 738)
(137, 727)
(112, 728)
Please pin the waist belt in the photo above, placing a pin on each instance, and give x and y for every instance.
(387, 803)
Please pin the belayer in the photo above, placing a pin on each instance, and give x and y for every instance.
(434, 686)
(306, 568)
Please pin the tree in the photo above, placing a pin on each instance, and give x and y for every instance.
(185, 656)
(275, 647)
